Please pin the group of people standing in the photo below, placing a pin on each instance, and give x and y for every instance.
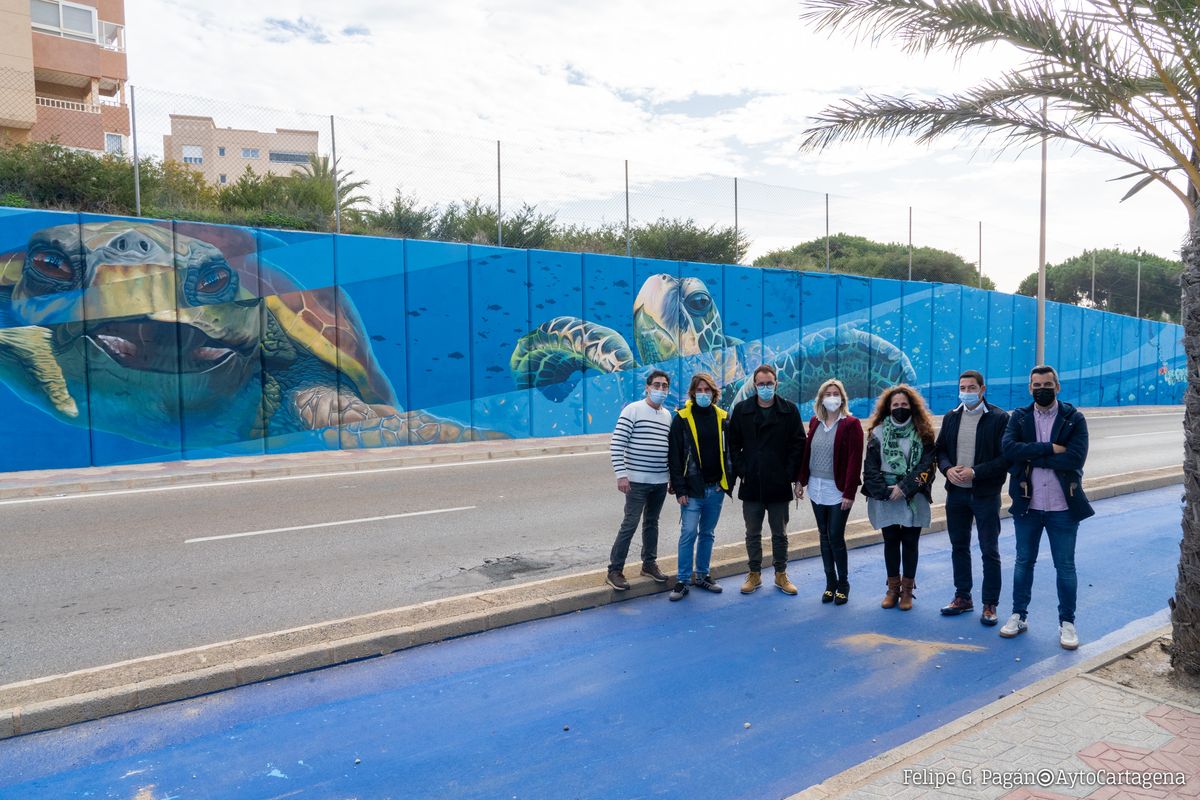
(700, 452)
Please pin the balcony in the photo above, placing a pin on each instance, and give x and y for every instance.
(67, 105)
(74, 123)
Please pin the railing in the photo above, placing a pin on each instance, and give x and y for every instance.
(68, 105)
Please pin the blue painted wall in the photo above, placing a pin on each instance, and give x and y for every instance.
(128, 340)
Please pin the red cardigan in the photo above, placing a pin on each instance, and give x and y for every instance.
(847, 455)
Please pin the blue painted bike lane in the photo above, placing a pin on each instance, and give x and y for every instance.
(643, 698)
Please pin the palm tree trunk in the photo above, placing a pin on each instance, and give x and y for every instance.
(1185, 607)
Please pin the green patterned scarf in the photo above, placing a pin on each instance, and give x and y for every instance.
(895, 464)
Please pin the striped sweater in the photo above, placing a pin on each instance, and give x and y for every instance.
(639, 443)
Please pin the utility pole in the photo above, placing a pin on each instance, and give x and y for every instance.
(1138, 312)
(1041, 303)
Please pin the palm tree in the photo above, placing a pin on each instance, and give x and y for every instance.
(1122, 78)
(316, 181)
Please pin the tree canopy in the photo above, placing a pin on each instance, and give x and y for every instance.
(857, 255)
(1116, 283)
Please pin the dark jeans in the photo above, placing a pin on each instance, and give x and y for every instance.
(777, 517)
(900, 545)
(1060, 530)
(644, 501)
(831, 524)
(963, 506)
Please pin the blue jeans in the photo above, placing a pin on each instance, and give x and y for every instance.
(1060, 530)
(698, 518)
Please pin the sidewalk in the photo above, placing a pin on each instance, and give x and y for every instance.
(49, 483)
(1075, 734)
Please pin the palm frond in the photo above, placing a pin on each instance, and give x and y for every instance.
(1120, 65)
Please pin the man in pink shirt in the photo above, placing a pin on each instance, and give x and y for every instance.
(1047, 444)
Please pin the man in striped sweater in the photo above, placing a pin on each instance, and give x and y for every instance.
(639, 459)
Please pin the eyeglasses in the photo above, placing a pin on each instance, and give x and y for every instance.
(660, 385)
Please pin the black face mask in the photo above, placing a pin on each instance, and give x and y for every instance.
(901, 415)
(1043, 397)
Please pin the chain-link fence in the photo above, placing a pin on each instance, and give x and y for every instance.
(210, 160)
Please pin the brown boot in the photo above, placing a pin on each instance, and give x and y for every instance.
(906, 593)
(783, 584)
(753, 581)
(893, 592)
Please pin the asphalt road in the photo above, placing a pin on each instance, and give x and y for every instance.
(93, 579)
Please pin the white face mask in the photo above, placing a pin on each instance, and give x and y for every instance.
(831, 403)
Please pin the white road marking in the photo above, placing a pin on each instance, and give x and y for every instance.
(1142, 435)
(326, 524)
(344, 475)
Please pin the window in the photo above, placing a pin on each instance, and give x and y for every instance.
(288, 158)
(114, 143)
(223, 179)
(220, 151)
(249, 152)
(193, 154)
(64, 19)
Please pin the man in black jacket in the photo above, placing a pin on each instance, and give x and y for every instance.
(1047, 444)
(767, 445)
(970, 455)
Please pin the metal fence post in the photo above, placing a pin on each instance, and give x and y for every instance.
(980, 254)
(137, 171)
(499, 208)
(827, 231)
(910, 243)
(628, 241)
(337, 200)
(737, 250)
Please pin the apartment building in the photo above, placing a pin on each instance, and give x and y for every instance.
(222, 154)
(63, 73)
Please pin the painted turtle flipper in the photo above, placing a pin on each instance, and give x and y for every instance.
(554, 356)
(27, 361)
(393, 428)
(346, 422)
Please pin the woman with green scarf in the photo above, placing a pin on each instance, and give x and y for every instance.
(897, 480)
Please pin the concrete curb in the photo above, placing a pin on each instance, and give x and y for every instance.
(51, 483)
(864, 773)
(60, 700)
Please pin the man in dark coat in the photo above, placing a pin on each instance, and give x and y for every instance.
(970, 455)
(767, 446)
(1047, 444)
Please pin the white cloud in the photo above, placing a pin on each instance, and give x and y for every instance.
(574, 89)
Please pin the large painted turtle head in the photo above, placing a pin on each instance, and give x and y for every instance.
(675, 317)
(145, 298)
(145, 322)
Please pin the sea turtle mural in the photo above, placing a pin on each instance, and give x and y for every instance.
(161, 329)
(677, 317)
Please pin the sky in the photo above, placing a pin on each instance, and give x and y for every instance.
(692, 94)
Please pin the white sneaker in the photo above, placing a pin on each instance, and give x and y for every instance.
(1014, 626)
(1067, 636)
